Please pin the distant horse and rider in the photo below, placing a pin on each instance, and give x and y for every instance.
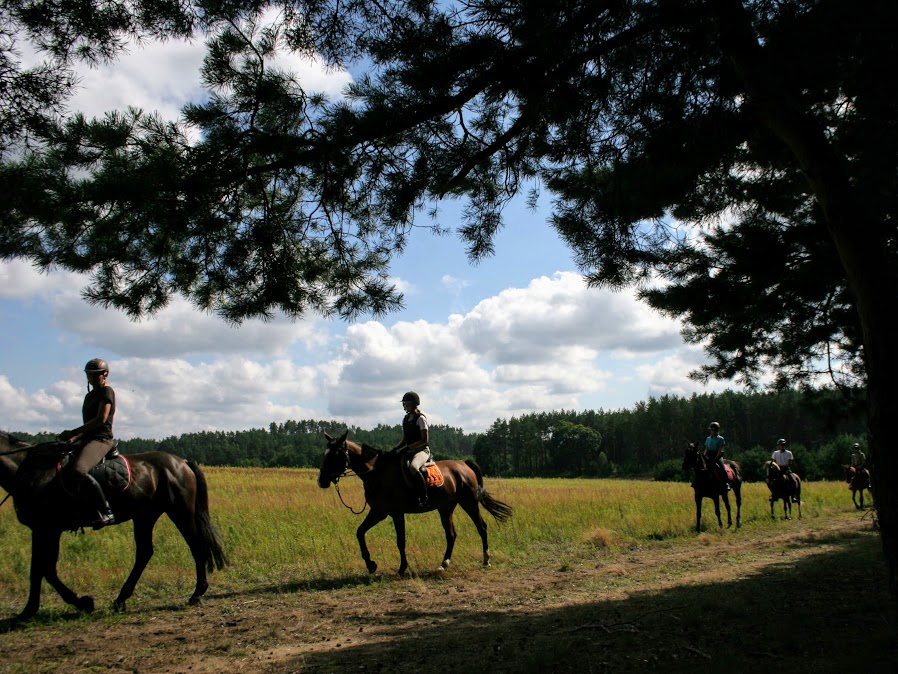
(858, 475)
(708, 482)
(783, 485)
(389, 492)
(139, 487)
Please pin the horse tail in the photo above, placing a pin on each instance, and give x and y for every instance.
(211, 541)
(499, 510)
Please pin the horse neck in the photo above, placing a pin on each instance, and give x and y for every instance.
(360, 462)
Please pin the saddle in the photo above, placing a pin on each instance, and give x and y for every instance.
(113, 472)
(434, 474)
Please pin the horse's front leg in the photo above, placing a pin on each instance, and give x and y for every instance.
(373, 517)
(449, 529)
(399, 525)
(44, 557)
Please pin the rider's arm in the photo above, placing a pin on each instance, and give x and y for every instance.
(422, 442)
(91, 424)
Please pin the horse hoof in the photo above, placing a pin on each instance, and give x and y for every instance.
(372, 566)
(85, 604)
(118, 606)
(195, 600)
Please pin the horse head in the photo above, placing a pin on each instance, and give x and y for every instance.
(335, 462)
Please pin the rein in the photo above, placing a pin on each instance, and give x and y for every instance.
(16, 451)
(5, 499)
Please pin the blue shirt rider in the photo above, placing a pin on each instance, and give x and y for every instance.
(714, 445)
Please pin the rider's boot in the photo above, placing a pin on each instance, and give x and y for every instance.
(104, 512)
(421, 488)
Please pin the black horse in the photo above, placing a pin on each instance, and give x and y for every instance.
(157, 483)
(783, 486)
(707, 484)
(388, 495)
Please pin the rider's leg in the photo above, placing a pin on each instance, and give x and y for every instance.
(722, 472)
(419, 476)
(88, 487)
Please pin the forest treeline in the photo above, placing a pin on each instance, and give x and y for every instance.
(649, 438)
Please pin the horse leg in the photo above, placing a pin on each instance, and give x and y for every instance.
(44, 556)
(737, 490)
(726, 502)
(798, 500)
(399, 525)
(449, 528)
(373, 517)
(143, 552)
(717, 511)
(772, 515)
(698, 512)
(472, 507)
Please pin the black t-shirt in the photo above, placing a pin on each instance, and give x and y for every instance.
(92, 401)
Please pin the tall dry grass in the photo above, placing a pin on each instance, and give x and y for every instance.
(281, 530)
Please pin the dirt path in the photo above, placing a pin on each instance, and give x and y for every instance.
(731, 602)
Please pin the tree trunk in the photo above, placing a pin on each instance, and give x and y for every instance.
(860, 243)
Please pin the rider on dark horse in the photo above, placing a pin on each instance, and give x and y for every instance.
(782, 457)
(859, 463)
(713, 451)
(414, 445)
(95, 438)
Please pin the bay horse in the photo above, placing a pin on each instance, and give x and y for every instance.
(707, 484)
(388, 495)
(781, 487)
(858, 481)
(159, 483)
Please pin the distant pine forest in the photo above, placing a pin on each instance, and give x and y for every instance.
(646, 441)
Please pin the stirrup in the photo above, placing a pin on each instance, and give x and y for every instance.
(103, 520)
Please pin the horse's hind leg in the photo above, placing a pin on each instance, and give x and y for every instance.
(726, 502)
(449, 529)
(44, 557)
(717, 510)
(472, 507)
(399, 525)
(143, 552)
(737, 491)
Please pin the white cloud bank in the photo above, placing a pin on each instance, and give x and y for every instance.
(554, 344)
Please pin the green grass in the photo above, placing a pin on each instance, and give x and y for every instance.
(281, 530)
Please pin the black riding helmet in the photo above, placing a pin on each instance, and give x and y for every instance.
(96, 365)
(413, 397)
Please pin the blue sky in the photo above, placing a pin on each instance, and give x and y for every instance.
(517, 333)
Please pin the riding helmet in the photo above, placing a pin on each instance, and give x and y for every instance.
(96, 365)
(855, 446)
(781, 441)
(713, 424)
(412, 396)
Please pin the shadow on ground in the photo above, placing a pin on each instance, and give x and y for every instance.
(828, 613)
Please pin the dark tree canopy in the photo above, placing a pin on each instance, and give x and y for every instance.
(743, 152)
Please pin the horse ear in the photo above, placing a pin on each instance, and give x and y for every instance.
(328, 436)
(344, 436)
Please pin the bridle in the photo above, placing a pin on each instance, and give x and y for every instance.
(346, 472)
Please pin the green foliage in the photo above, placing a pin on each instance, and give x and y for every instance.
(670, 471)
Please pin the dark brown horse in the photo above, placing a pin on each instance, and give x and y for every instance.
(781, 486)
(707, 484)
(159, 483)
(858, 481)
(388, 495)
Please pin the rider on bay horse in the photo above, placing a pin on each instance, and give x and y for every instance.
(95, 438)
(414, 445)
(714, 445)
(859, 463)
(783, 458)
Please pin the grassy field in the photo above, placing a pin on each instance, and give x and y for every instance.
(281, 529)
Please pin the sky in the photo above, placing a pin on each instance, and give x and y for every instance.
(519, 332)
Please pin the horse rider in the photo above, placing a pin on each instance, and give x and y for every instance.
(95, 438)
(782, 457)
(414, 445)
(859, 462)
(714, 445)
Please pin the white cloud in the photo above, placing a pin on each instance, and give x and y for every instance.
(554, 344)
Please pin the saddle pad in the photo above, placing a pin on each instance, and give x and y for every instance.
(729, 470)
(113, 474)
(434, 475)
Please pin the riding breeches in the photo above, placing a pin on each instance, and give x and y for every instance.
(419, 458)
(91, 454)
